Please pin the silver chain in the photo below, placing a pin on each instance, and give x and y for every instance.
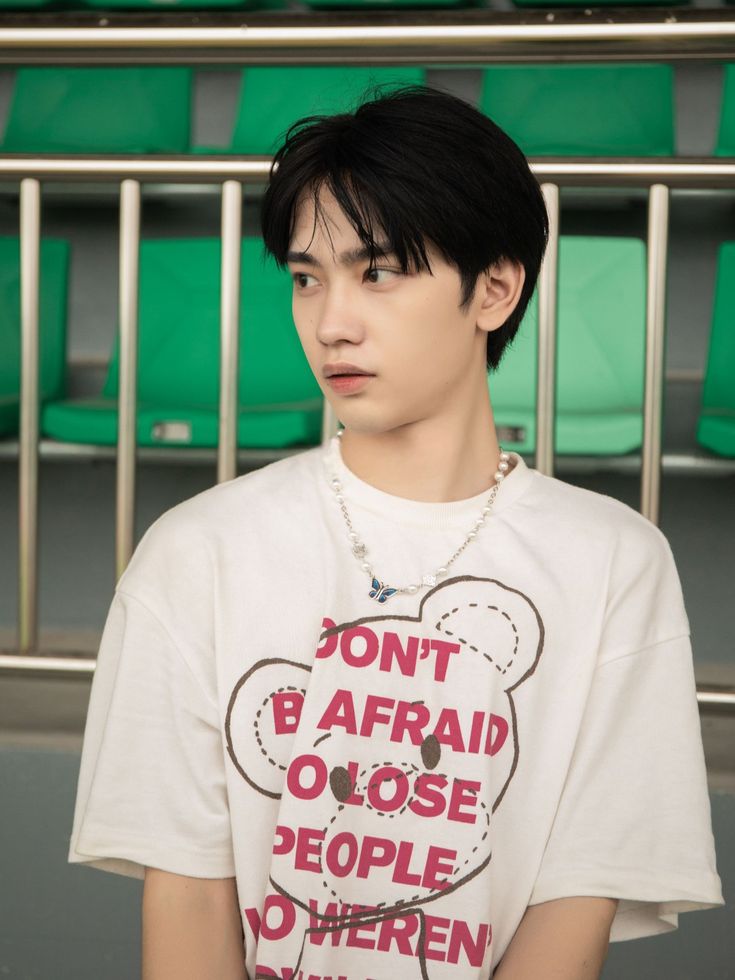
(359, 550)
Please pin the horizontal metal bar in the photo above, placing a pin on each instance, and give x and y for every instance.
(24, 665)
(681, 464)
(398, 37)
(709, 697)
(674, 172)
(716, 697)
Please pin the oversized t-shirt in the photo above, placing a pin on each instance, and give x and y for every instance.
(392, 783)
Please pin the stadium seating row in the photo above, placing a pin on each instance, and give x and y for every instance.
(558, 110)
(280, 4)
(600, 360)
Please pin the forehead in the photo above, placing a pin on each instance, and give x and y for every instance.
(317, 224)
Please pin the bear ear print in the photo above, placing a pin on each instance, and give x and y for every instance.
(431, 751)
(339, 783)
(495, 621)
(265, 704)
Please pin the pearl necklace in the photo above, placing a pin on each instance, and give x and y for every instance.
(382, 592)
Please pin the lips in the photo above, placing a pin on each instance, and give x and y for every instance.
(343, 369)
(346, 383)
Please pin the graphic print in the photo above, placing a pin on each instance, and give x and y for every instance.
(390, 753)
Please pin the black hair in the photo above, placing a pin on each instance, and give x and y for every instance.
(419, 165)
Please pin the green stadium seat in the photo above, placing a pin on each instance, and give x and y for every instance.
(599, 3)
(600, 354)
(99, 110)
(388, 4)
(725, 145)
(583, 110)
(272, 98)
(716, 424)
(280, 402)
(162, 4)
(54, 262)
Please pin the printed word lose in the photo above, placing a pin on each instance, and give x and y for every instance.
(387, 789)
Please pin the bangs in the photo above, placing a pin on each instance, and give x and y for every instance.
(378, 227)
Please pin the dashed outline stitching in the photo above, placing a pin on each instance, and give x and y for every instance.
(266, 702)
(471, 605)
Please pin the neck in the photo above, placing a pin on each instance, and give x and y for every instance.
(431, 460)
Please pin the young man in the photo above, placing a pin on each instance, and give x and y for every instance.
(399, 705)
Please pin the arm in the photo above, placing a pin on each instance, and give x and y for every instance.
(191, 928)
(566, 939)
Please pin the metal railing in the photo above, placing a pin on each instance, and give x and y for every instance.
(479, 36)
(378, 37)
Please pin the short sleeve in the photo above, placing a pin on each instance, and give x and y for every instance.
(634, 819)
(151, 788)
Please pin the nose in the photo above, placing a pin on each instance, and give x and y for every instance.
(339, 316)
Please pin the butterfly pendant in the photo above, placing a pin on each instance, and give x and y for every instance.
(381, 592)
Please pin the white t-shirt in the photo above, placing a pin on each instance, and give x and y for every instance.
(393, 783)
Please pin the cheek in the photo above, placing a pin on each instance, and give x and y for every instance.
(427, 318)
(304, 327)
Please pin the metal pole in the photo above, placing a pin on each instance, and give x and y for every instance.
(547, 329)
(657, 253)
(329, 422)
(128, 384)
(229, 329)
(30, 243)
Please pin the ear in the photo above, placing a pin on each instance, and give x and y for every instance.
(499, 289)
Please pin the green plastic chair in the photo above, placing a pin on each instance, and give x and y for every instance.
(388, 4)
(725, 144)
(272, 98)
(161, 4)
(54, 265)
(716, 424)
(583, 110)
(598, 3)
(600, 354)
(280, 401)
(99, 110)
(165, 5)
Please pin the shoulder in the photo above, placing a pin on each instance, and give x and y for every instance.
(590, 519)
(184, 540)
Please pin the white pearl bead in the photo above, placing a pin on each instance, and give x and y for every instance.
(442, 570)
(472, 534)
(412, 589)
(487, 510)
(340, 498)
(352, 536)
(503, 466)
(479, 522)
(365, 567)
(499, 476)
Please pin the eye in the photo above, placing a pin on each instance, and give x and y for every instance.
(298, 277)
(373, 272)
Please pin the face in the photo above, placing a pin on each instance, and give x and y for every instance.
(424, 355)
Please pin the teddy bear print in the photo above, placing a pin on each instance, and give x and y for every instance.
(389, 754)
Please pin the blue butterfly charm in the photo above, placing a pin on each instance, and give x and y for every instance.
(381, 592)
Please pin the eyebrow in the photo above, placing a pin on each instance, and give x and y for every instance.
(351, 257)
